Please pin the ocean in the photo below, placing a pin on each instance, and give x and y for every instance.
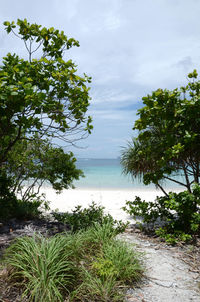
(107, 174)
(104, 184)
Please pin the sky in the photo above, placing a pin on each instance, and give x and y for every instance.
(129, 48)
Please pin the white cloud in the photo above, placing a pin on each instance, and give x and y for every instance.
(129, 47)
(118, 115)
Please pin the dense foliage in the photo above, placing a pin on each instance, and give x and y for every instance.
(82, 219)
(168, 140)
(42, 100)
(41, 95)
(175, 217)
(167, 146)
(38, 162)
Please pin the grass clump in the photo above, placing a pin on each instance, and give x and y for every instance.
(85, 266)
(108, 267)
(41, 266)
(94, 289)
(121, 259)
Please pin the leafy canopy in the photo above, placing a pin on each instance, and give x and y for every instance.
(42, 95)
(168, 140)
(42, 100)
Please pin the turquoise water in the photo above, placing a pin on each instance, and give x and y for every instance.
(107, 173)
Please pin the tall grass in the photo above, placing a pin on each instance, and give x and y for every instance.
(112, 265)
(41, 266)
(94, 289)
(125, 262)
(87, 266)
(99, 234)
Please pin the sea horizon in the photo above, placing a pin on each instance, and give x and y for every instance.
(107, 173)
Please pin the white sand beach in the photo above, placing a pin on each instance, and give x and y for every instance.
(112, 200)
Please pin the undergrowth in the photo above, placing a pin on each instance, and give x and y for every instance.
(13, 207)
(89, 265)
(83, 218)
(174, 218)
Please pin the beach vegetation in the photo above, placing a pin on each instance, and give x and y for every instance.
(174, 218)
(41, 266)
(42, 101)
(84, 218)
(168, 140)
(33, 163)
(83, 266)
(167, 149)
(42, 95)
(13, 207)
(19, 209)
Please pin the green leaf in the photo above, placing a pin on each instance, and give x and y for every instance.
(14, 93)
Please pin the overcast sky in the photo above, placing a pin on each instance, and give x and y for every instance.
(128, 47)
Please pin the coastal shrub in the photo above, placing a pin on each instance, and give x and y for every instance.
(82, 266)
(11, 207)
(7, 205)
(82, 219)
(180, 213)
(173, 238)
(32, 208)
(8, 199)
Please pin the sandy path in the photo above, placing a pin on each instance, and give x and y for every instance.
(167, 277)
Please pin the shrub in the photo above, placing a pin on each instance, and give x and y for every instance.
(173, 238)
(179, 211)
(8, 199)
(22, 209)
(82, 219)
(12, 207)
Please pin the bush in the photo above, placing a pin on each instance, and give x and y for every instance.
(20, 209)
(85, 266)
(8, 200)
(180, 213)
(82, 219)
(12, 207)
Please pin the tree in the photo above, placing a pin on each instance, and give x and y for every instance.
(167, 146)
(31, 163)
(42, 100)
(41, 95)
(168, 140)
